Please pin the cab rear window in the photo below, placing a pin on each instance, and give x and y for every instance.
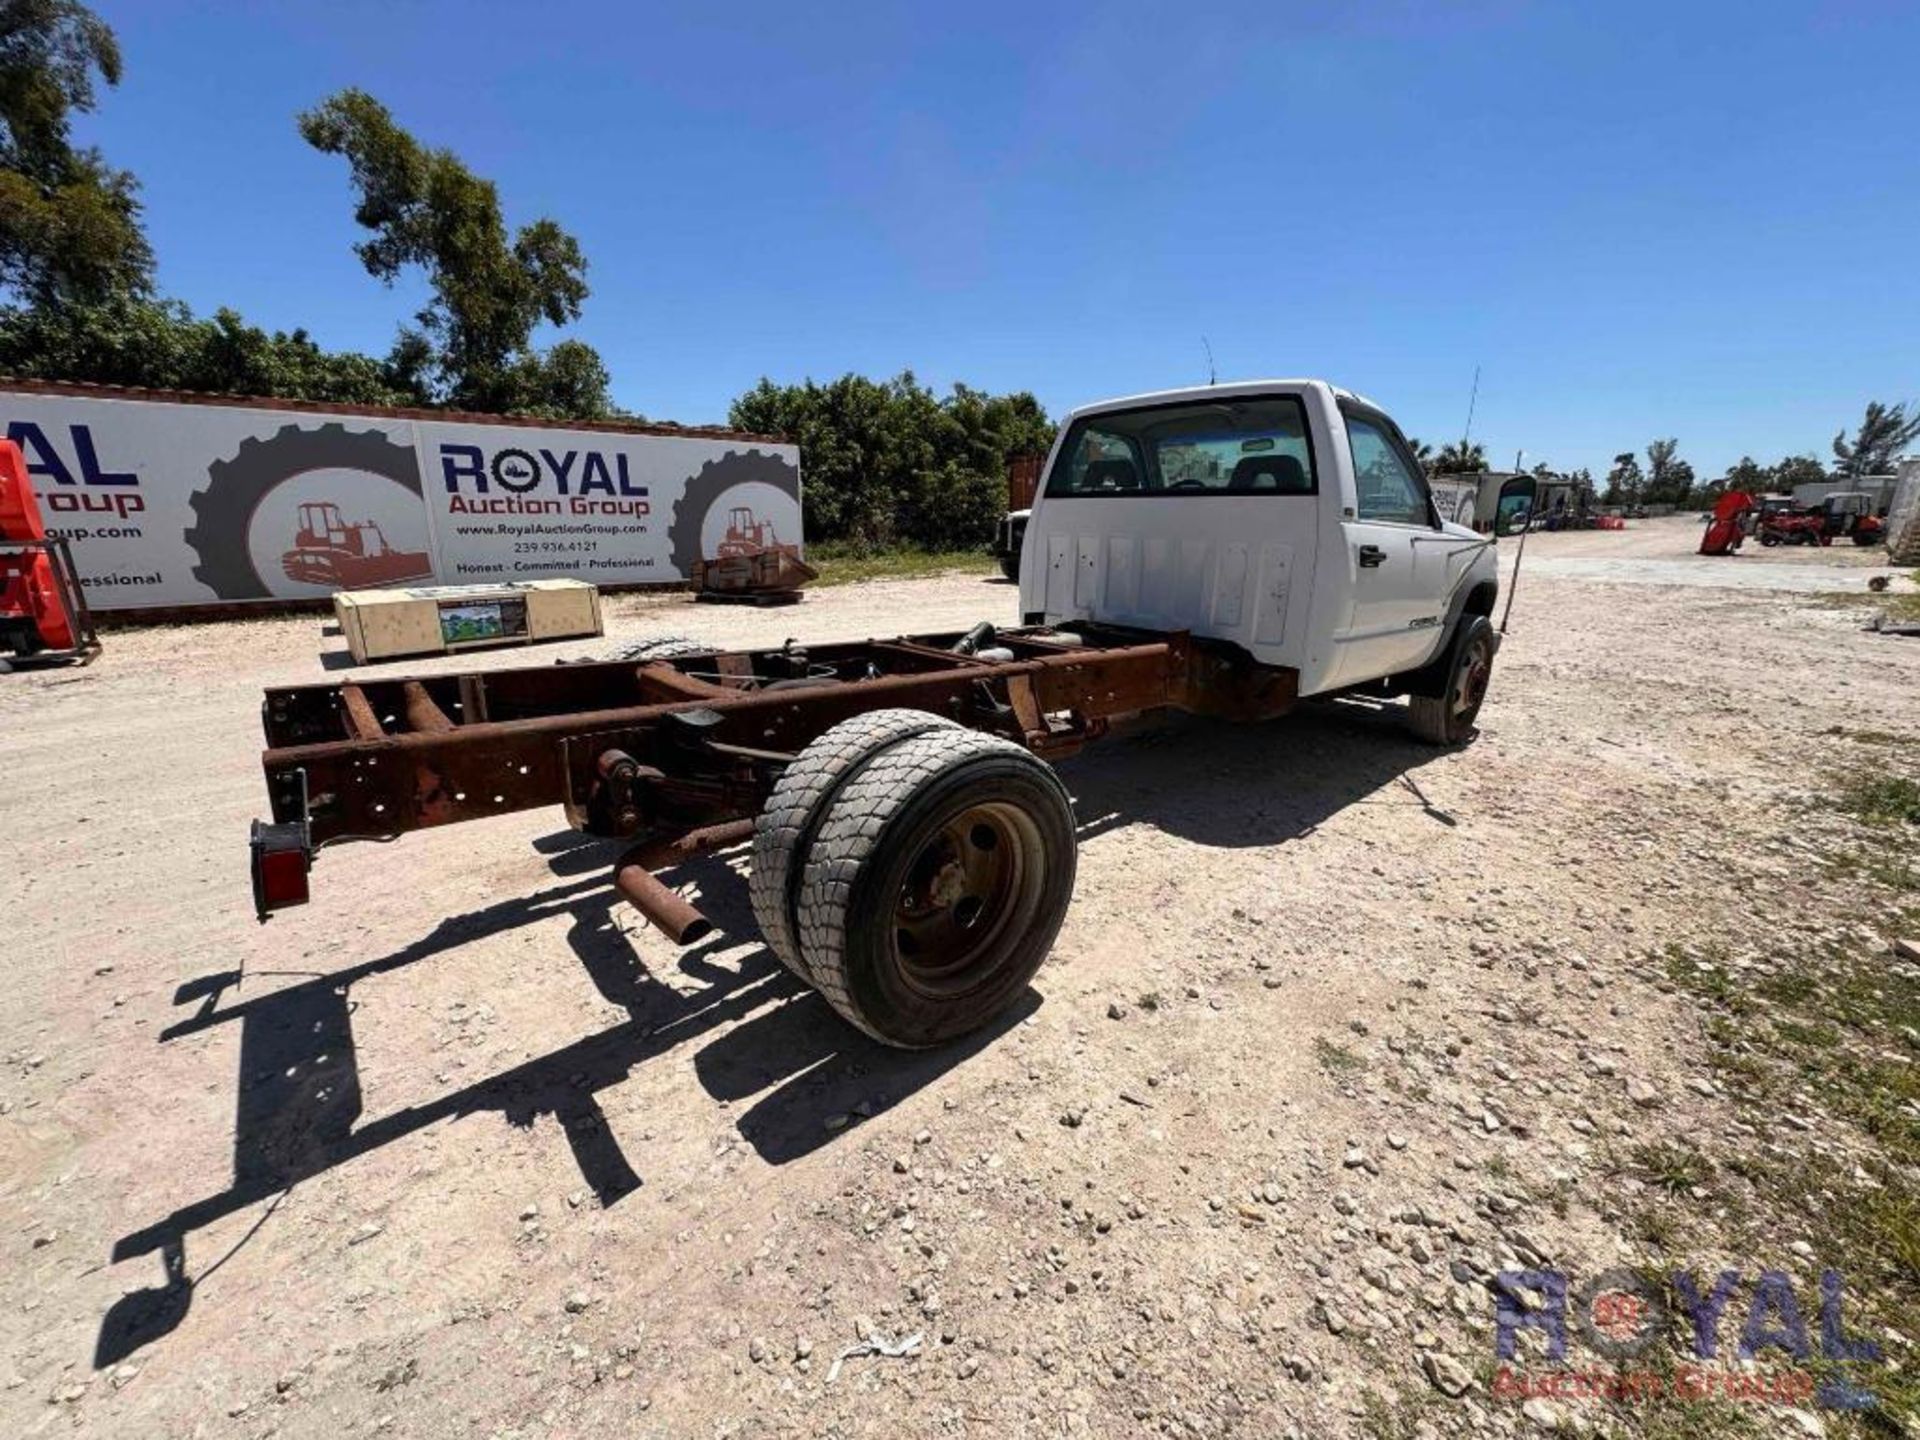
(1251, 445)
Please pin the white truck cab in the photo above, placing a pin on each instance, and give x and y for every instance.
(1286, 517)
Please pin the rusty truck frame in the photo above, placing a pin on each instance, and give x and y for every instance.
(680, 753)
(913, 854)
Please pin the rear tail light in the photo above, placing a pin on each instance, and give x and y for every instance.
(281, 859)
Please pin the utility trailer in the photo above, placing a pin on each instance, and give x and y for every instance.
(1223, 552)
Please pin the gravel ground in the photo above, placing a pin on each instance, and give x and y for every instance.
(1337, 1027)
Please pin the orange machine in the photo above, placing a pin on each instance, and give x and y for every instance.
(752, 564)
(43, 614)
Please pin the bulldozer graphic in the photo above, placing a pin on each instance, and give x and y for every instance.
(327, 550)
(751, 560)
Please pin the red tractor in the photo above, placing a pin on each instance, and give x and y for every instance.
(1850, 513)
(1791, 527)
(329, 551)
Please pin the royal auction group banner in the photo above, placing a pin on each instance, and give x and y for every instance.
(174, 502)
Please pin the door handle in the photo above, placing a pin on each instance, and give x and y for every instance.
(1372, 555)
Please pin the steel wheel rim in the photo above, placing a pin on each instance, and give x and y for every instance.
(1476, 671)
(970, 891)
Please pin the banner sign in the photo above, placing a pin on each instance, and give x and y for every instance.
(1457, 499)
(174, 503)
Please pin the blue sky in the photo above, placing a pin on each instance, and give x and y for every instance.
(1690, 219)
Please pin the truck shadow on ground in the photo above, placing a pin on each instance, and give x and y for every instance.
(1236, 786)
(299, 1109)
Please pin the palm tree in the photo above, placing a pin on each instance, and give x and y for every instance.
(1461, 457)
(1422, 452)
(1886, 431)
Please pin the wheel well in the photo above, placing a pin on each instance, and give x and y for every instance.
(1431, 679)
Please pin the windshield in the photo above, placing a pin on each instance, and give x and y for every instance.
(1256, 445)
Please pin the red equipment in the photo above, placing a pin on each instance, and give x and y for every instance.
(1850, 513)
(43, 613)
(1723, 532)
(329, 551)
(1791, 527)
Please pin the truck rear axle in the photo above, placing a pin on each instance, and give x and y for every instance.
(678, 749)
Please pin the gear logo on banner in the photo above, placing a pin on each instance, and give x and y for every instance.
(304, 511)
(687, 535)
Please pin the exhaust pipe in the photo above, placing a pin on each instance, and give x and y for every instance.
(665, 910)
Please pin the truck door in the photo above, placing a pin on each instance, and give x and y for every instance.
(1397, 583)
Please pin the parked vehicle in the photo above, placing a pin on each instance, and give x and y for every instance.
(1850, 513)
(1023, 479)
(1225, 551)
(1789, 527)
(1846, 514)
(1289, 519)
(1008, 541)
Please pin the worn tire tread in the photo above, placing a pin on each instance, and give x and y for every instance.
(848, 839)
(659, 647)
(794, 812)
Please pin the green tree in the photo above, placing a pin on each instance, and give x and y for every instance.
(889, 463)
(69, 222)
(1747, 474)
(139, 341)
(1423, 452)
(1460, 457)
(1626, 482)
(1885, 431)
(473, 340)
(1796, 470)
(1669, 479)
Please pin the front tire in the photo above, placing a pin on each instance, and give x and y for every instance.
(1448, 718)
(936, 886)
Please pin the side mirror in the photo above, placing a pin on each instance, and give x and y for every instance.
(1516, 505)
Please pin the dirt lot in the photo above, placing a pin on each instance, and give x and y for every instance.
(1338, 1027)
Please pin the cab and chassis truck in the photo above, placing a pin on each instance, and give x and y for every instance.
(1227, 551)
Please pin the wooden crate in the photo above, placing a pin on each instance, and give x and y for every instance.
(442, 619)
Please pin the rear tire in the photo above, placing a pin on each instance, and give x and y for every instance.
(659, 647)
(794, 811)
(936, 886)
(1448, 719)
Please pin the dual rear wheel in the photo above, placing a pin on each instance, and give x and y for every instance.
(914, 872)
